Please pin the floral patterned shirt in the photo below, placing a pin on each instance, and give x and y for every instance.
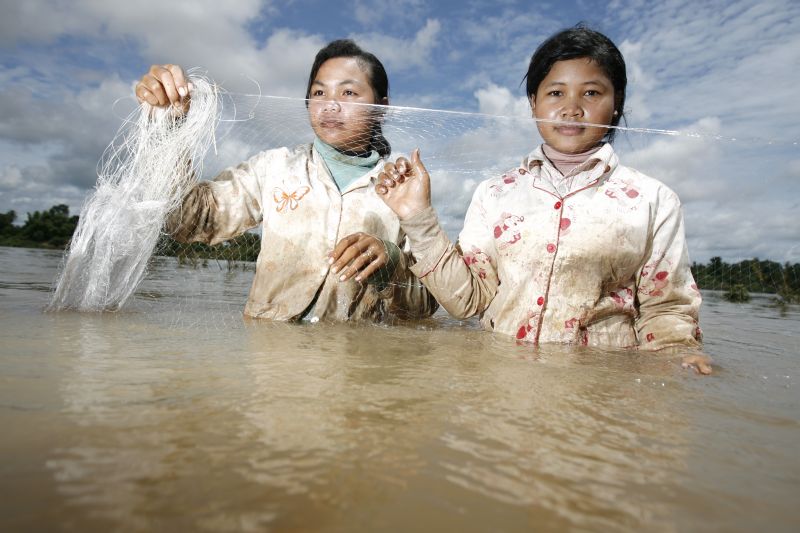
(597, 257)
(302, 214)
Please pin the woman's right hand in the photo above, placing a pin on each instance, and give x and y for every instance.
(405, 186)
(165, 85)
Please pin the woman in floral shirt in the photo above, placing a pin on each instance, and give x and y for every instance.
(570, 246)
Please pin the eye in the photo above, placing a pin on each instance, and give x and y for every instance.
(349, 92)
(554, 93)
(318, 92)
(592, 92)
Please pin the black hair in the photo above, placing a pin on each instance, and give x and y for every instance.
(574, 43)
(376, 74)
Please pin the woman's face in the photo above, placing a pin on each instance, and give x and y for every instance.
(575, 91)
(336, 116)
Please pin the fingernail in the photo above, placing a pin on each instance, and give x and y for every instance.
(342, 277)
(334, 270)
(330, 260)
(182, 91)
(191, 86)
(358, 278)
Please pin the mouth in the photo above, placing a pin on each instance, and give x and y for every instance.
(570, 130)
(331, 124)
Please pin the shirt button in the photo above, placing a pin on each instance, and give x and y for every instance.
(540, 301)
(551, 248)
(557, 206)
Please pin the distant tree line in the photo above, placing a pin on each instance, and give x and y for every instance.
(750, 275)
(54, 228)
(43, 229)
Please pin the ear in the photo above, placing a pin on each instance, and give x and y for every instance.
(384, 101)
(533, 104)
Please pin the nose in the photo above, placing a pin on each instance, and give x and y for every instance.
(332, 105)
(571, 109)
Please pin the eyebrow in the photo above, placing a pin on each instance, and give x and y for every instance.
(590, 82)
(344, 82)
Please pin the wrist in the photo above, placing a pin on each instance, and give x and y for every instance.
(412, 211)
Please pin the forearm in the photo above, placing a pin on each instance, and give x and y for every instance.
(462, 291)
(200, 218)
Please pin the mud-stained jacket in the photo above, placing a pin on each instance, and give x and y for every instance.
(597, 257)
(302, 215)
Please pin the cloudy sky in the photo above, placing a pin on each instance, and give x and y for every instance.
(724, 73)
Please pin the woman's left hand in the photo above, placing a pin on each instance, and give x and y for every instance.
(359, 255)
(701, 363)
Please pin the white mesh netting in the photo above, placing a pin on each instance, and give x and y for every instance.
(740, 243)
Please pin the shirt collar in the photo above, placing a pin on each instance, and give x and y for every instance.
(605, 155)
(598, 167)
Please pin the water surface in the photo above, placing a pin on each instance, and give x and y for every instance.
(177, 414)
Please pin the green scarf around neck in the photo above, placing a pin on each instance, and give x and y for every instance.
(344, 168)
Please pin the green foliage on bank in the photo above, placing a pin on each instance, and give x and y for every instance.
(748, 276)
(737, 294)
(53, 229)
(43, 229)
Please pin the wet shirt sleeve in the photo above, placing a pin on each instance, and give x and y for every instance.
(669, 301)
(219, 210)
(462, 277)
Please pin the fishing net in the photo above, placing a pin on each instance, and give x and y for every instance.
(740, 235)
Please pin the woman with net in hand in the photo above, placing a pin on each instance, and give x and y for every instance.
(330, 248)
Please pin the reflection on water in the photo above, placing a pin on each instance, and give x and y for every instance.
(178, 414)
